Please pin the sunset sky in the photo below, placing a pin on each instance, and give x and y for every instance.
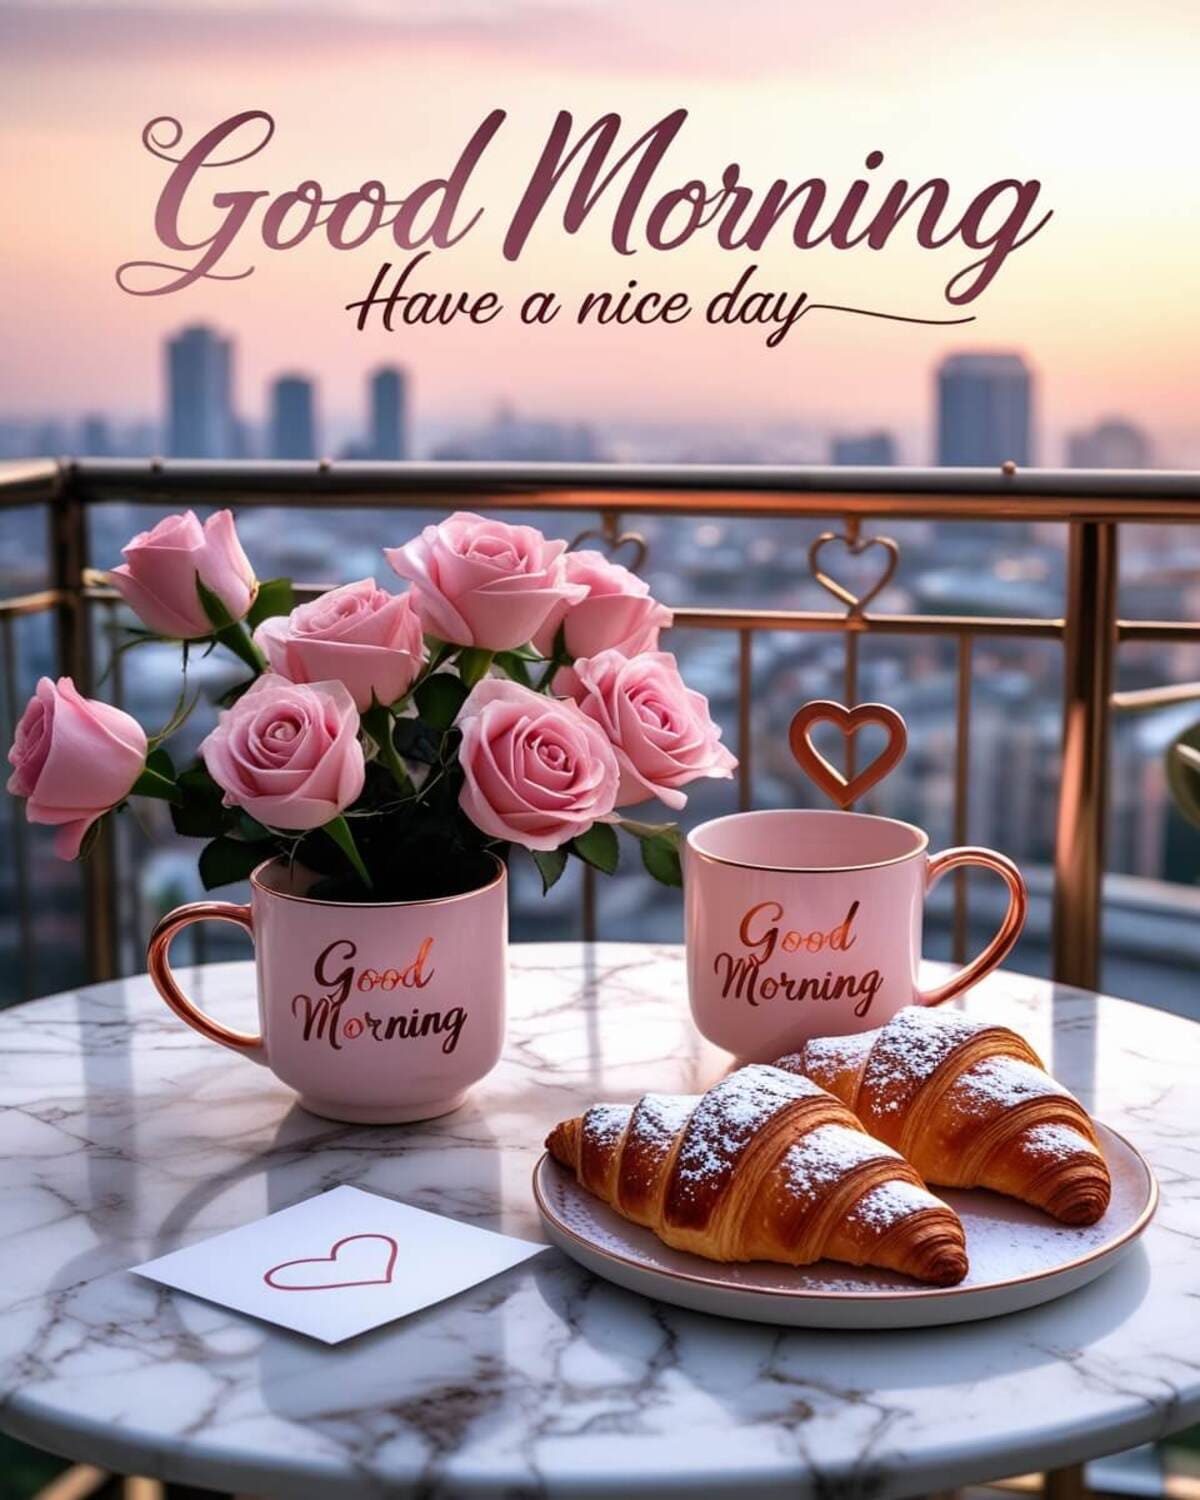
(1095, 98)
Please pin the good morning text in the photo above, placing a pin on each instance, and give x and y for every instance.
(621, 176)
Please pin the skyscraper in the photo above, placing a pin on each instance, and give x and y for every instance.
(862, 448)
(293, 420)
(1112, 444)
(95, 437)
(388, 395)
(983, 410)
(200, 420)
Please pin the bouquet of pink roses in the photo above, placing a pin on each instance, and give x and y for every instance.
(515, 694)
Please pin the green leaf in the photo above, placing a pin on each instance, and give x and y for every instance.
(227, 860)
(90, 839)
(528, 652)
(514, 666)
(201, 815)
(416, 740)
(598, 847)
(439, 651)
(439, 699)
(159, 760)
(1183, 773)
(473, 664)
(236, 638)
(661, 844)
(151, 784)
(660, 855)
(275, 597)
(231, 695)
(227, 630)
(252, 830)
(551, 863)
(377, 721)
(668, 831)
(196, 779)
(214, 607)
(339, 831)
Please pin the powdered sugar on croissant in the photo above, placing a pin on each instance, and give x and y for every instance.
(970, 1105)
(764, 1166)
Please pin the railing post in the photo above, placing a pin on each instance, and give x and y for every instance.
(1089, 648)
(68, 559)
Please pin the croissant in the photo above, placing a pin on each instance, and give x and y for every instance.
(764, 1166)
(969, 1105)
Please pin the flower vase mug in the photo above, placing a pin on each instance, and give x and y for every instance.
(375, 1013)
(803, 924)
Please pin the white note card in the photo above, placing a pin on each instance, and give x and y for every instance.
(340, 1263)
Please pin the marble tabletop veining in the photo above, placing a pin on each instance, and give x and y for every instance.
(124, 1135)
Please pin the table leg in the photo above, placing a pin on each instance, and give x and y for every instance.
(79, 1482)
(1065, 1484)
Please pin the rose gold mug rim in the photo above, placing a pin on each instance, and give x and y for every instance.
(259, 884)
(919, 848)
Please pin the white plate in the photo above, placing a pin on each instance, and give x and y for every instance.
(1019, 1258)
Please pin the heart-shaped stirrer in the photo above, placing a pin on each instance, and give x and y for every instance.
(849, 721)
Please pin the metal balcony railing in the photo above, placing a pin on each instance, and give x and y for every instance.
(1091, 506)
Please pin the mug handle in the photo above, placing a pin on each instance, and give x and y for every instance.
(1007, 933)
(249, 1044)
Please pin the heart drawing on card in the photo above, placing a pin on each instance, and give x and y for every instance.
(356, 1260)
(849, 721)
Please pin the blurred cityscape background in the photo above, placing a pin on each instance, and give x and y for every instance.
(983, 411)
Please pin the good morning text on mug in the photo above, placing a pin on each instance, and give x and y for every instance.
(803, 924)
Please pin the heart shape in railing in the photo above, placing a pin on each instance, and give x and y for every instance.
(827, 777)
(611, 545)
(856, 546)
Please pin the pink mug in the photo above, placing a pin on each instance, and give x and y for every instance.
(803, 924)
(374, 1013)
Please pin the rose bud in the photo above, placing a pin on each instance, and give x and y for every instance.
(158, 577)
(617, 612)
(73, 760)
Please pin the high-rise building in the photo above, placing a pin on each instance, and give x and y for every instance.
(387, 437)
(293, 418)
(983, 410)
(95, 437)
(200, 419)
(1111, 444)
(864, 448)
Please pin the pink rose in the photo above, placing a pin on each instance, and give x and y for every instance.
(357, 634)
(73, 759)
(660, 729)
(158, 577)
(483, 583)
(537, 771)
(617, 612)
(288, 753)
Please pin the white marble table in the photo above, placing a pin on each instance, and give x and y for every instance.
(123, 1135)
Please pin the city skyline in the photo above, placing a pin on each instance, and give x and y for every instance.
(983, 412)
